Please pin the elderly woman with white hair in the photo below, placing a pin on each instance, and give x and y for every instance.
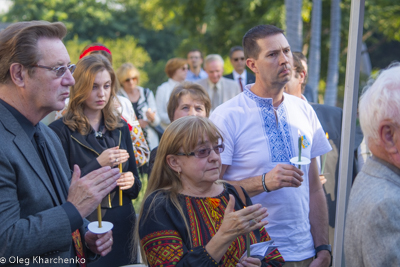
(372, 234)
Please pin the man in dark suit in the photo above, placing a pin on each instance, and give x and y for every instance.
(239, 73)
(42, 208)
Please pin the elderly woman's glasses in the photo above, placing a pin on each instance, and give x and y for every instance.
(129, 79)
(60, 71)
(204, 152)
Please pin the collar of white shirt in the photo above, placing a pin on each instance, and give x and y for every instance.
(237, 75)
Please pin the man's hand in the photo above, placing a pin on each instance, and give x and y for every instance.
(323, 259)
(87, 192)
(283, 175)
(99, 244)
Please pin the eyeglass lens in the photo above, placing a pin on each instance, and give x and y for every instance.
(205, 152)
(60, 71)
(129, 79)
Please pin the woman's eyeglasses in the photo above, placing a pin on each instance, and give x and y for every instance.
(129, 79)
(204, 152)
(60, 71)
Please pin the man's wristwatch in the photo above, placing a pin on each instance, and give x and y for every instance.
(324, 247)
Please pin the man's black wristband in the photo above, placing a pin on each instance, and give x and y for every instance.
(263, 183)
(324, 247)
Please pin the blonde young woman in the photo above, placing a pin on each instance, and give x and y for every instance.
(93, 136)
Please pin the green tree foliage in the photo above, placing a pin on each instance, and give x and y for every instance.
(123, 50)
(213, 26)
(169, 28)
(87, 19)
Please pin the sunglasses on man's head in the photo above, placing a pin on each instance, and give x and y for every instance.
(238, 58)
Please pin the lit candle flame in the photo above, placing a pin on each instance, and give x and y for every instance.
(327, 135)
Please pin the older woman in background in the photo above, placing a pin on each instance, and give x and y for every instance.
(142, 100)
(176, 69)
(187, 99)
(188, 217)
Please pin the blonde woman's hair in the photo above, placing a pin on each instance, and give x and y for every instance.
(85, 73)
(183, 133)
(124, 71)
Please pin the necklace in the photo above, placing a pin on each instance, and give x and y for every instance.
(98, 134)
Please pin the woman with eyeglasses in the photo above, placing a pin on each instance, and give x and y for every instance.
(142, 100)
(93, 135)
(176, 70)
(191, 218)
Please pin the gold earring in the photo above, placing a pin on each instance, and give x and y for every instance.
(179, 174)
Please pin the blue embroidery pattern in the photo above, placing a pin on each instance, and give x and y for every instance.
(278, 136)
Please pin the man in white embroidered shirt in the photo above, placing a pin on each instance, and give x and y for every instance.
(260, 129)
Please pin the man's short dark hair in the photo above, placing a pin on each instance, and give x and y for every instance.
(301, 56)
(234, 49)
(251, 48)
(298, 67)
(196, 50)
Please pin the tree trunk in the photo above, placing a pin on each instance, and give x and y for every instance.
(334, 53)
(294, 24)
(314, 58)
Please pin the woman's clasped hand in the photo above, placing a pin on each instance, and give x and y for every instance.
(112, 157)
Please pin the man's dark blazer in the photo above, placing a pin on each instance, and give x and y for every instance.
(250, 77)
(331, 121)
(32, 221)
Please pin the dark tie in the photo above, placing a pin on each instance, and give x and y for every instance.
(59, 188)
(215, 98)
(240, 83)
